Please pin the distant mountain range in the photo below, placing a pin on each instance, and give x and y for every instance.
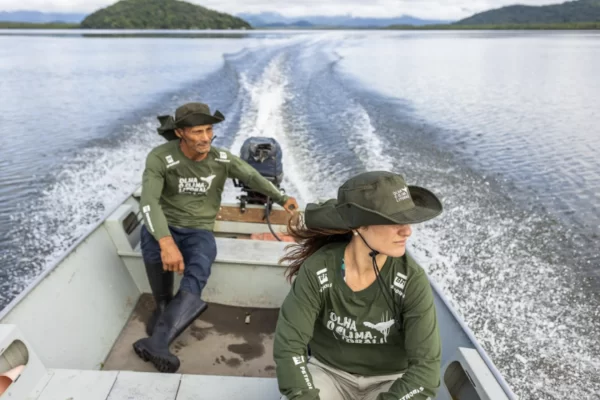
(577, 11)
(40, 17)
(273, 19)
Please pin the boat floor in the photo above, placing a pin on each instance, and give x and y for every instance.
(218, 342)
(67, 384)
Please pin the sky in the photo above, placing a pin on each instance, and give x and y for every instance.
(427, 9)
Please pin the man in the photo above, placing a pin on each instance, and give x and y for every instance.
(181, 196)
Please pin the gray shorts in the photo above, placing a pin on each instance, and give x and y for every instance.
(335, 384)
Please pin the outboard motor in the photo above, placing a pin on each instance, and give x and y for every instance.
(265, 155)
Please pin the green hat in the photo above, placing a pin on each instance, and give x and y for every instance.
(374, 198)
(188, 115)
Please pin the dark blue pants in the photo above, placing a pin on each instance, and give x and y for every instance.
(198, 248)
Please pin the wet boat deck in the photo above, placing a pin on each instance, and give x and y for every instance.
(219, 342)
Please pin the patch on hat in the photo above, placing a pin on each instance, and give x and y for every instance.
(401, 194)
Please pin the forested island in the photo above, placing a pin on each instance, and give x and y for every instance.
(160, 14)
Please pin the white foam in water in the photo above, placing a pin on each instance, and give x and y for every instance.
(87, 186)
(366, 143)
(262, 115)
(520, 305)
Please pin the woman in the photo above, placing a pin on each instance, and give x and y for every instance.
(362, 305)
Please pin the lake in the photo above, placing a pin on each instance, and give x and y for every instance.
(503, 126)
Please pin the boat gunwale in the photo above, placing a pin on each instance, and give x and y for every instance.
(54, 264)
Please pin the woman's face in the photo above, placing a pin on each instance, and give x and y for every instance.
(387, 239)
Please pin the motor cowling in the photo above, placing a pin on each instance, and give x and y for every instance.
(266, 156)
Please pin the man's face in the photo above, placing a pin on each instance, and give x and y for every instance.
(197, 138)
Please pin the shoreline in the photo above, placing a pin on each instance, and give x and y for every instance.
(444, 27)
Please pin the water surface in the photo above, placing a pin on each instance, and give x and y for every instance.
(501, 125)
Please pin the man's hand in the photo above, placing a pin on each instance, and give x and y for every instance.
(291, 205)
(171, 256)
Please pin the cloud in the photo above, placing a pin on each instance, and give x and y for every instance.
(430, 9)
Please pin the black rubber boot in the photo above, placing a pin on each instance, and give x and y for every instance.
(178, 315)
(161, 283)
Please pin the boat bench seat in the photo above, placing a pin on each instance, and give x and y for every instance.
(238, 251)
(237, 243)
(125, 385)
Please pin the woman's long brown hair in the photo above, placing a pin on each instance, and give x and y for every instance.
(308, 241)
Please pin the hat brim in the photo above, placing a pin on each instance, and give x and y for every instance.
(168, 125)
(351, 215)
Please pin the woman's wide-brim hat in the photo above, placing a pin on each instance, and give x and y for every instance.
(188, 115)
(374, 198)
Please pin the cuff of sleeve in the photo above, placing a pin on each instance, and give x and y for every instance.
(283, 200)
(160, 233)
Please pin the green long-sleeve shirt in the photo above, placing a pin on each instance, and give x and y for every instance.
(354, 332)
(180, 192)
